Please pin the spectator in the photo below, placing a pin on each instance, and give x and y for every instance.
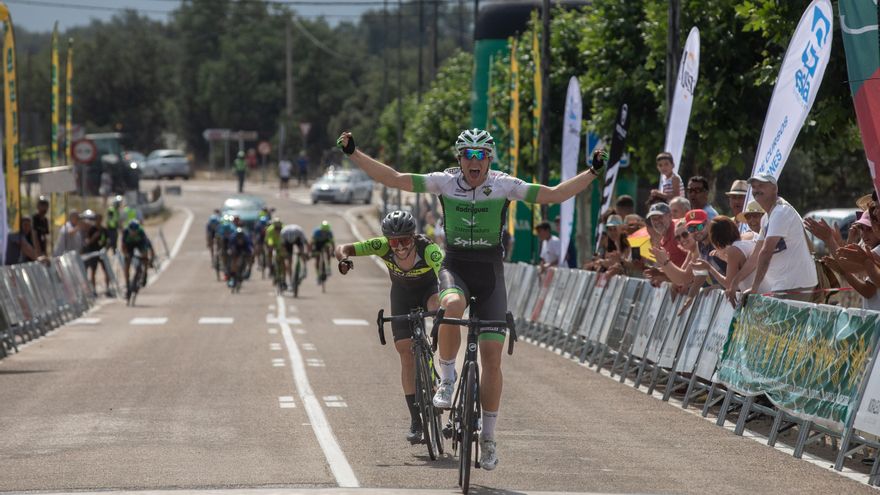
(698, 194)
(781, 255)
(106, 187)
(26, 248)
(571, 252)
(94, 239)
(679, 206)
(302, 165)
(633, 223)
(655, 197)
(751, 216)
(240, 166)
(284, 170)
(680, 275)
(550, 246)
(625, 205)
(663, 225)
(725, 238)
(616, 247)
(736, 197)
(70, 235)
(40, 237)
(670, 182)
(697, 222)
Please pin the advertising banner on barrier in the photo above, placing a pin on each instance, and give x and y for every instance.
(680, 113)
(796, 87)
(715, 340)
(859, 22)
(571, 145)
(868, 415)
(546, 282)
(808, 360)
(699, 329)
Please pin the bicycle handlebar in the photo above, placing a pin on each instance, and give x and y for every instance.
(381, 319)
(439, 319)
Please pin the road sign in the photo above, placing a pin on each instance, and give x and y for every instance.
(215, 134)
(304, 128)
(243, 136)
(84, 151)
(264, 148)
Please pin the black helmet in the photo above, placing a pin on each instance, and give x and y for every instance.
(398, 223)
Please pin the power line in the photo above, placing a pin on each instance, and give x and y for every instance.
(76, 6)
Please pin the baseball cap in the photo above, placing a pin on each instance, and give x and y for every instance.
(738, 188)
(695, 217)
(752, 207)
(763, 177)
(614, 221)
(658, 209)
(865, 219)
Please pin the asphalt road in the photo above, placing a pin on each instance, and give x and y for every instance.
(200, 389)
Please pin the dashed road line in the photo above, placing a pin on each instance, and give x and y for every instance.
(273, 331)
(300, 331)
(308, 347)
(148, 321)
(334, 401)
(278, 363)
(339, 465)
(315, 363)
(353, 322)
(286, 402)
(274, 346)
(85, 321)
(216, 320)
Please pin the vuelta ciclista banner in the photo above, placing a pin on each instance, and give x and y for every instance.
(796, 87)
(680, 114)
(571, 145)
(809, 361)
(859, 21)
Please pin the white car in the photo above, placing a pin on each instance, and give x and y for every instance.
(343, 186)
(839, 218)
(166, 163)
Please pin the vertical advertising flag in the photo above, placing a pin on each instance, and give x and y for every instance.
(10, 103)
(56, 93)
(796, 87)
(68, 104)
(683, 99)
(859, 21)
(514, 129)
(536, 107)
(571, 144)
(618, 139)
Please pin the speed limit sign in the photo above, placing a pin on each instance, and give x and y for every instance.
(84, 151)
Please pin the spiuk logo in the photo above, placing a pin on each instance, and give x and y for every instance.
(376, 244)
(436, 256)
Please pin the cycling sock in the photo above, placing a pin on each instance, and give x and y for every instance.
(447, 369)
(413, 408)
(489, 420)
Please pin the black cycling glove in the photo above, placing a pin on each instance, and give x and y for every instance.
(349, 149)
(600, 156)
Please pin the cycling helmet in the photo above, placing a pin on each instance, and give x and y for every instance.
(276, 222)
(117, 201)
(475, 138)
(134, 225)
(398, 224)
(213, 220)
(325, 226)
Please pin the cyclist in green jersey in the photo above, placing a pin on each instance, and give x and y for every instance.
(474, 200)
(413, 263)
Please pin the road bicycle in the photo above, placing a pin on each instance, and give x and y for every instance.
(323, 266)
(278, 273)
(299, 273)
(464, 417)
(140, 276)
(237, 272)
(426, 376)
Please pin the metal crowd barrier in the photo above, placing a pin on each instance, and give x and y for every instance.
(36, 298)
(658, 340)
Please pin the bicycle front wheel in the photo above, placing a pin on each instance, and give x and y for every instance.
(429, 415)
(295, 280)
(468, 426)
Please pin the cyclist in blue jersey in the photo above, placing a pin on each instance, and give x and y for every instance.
(135, 239)
(240, 252)
(474, 199)
(211, 230)
(322, 243)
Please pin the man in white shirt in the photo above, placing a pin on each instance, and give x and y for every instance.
(781, 255)
(550, 246)
(284, 169)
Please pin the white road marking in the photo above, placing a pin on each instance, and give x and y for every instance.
(334, 401)
(339, 465)
(285, 398)
(216, 320)
(286, 402)
(178, 243)
(274, 346)
(315, 363)
(272, 307)
(86, 321)
(308, 347)
(336, 404)
(300, 331)
(354, 322)
(278, 362)
(290, 321)
(148, 321)
(273, 331)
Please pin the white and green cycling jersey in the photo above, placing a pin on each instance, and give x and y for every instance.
(473, 218)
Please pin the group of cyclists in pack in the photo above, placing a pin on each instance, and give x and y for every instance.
(272, 245)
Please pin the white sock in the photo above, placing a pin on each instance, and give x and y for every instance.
(447, 369)
(489, 420)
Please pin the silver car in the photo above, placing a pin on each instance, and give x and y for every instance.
(343, 186)
(166, 163)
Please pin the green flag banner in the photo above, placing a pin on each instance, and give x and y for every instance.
(809, 360)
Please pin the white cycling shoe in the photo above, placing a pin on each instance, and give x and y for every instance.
(443, 397)
(488, 459)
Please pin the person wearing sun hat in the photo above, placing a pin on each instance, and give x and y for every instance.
(751, 217)
(781, 255)
(736, 197)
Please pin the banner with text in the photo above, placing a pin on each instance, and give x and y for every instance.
(571, 145)
(680, 113)
(808, 360)
(618, 139)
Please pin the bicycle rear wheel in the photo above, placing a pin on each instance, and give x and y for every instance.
(426, 407)
(295, 281)
(468, 426)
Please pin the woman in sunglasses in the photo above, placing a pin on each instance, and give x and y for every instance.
(413, 262)
(475, 201)
(681, 276)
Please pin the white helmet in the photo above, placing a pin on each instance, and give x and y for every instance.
(475, 138)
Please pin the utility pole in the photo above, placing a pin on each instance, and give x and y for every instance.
(421, 44)
(544, 136)
(673, 52)
(435, 62)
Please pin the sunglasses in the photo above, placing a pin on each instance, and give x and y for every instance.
(475, 154)
(696, 228)
(400, 242)
(682, 236)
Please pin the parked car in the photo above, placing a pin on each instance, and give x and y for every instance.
(245, 206)
(343, 186)
(842, 218)
(166, 163)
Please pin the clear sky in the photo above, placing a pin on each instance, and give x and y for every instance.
(40, 15)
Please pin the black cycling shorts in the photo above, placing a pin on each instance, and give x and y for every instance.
(482, 280)
(404, 300)
(288, 246)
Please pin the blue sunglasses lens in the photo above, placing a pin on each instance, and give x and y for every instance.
(471, 154)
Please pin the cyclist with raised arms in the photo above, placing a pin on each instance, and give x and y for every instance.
(475, 201)
(413, 263)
